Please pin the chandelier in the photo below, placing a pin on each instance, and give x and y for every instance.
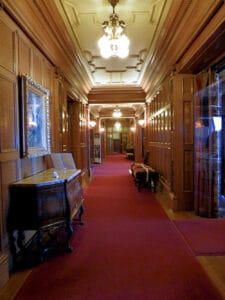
(117, 125)
(117, 113)
(114, 42)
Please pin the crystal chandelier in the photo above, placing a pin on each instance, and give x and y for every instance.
(114, 42)
(117, 113)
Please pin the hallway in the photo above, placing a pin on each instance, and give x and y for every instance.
(128, 248)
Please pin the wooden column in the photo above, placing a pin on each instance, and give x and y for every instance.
(182, 147)
(138, 143)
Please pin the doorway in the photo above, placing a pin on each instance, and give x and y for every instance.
(113, 142)
(118, 135)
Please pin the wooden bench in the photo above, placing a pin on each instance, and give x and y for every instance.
(144, 176)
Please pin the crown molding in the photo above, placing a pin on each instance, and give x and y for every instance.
(116, 95)
(42, 23)
(185, 22)
(208, 45)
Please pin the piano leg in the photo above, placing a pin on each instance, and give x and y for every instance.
(12, 246)
(81, 211)
(20, 240)
(41, 251)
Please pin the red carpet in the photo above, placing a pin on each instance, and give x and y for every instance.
(204, 236)
(127, 249)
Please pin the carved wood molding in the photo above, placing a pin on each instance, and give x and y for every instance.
(184, 24)
(38, 20)
(116, 95)
(208, 45)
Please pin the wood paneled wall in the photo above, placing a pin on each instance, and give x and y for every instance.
(169, 138)
(183, 148)
(20, 56)
(9, 147)
(159, 132)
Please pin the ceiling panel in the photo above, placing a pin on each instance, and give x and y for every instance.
(143, 22)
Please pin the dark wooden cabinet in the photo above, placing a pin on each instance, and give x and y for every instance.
(43, 201)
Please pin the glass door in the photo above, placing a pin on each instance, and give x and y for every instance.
(209, 135)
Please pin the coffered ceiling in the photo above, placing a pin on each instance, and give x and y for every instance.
(166, 37)
(143, 19)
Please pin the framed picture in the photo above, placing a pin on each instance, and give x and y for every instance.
(34, 118)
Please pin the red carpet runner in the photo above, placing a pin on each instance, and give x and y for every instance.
(127, 249)
(204, 236)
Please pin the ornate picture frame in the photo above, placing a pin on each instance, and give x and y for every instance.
(34, 118)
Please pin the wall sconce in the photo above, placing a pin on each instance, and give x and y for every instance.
(132, 129)
(141, 122)
(92, 124)
(102, 129)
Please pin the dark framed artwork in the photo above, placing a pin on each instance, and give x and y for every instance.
(34, 118)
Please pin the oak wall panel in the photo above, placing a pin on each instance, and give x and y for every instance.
(188, 122)
(57, 113)
(37, 66)
(7, 49)
(8, 128)
(47, 75)
(188, 170)
(183, 117)
(20, 56)
(8, 120)
(187, 87)
(170, 138)
(158, 135)
(24, 56)
(8, 175)
(74, 125)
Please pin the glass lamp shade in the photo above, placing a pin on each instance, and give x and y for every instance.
(141, 122)
(117, 125)
(104, 46)
(116, 113)
(114, 46)
(123, 46)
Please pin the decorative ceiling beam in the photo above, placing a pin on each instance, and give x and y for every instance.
(117, 95)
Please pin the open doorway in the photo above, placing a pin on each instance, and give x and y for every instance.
(118, 135)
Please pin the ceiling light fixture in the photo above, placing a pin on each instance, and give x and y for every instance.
(117, 113)
(114, 42)
(92, 124)
(117, 125)
(141, 122)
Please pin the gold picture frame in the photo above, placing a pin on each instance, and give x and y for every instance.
(34, 118)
